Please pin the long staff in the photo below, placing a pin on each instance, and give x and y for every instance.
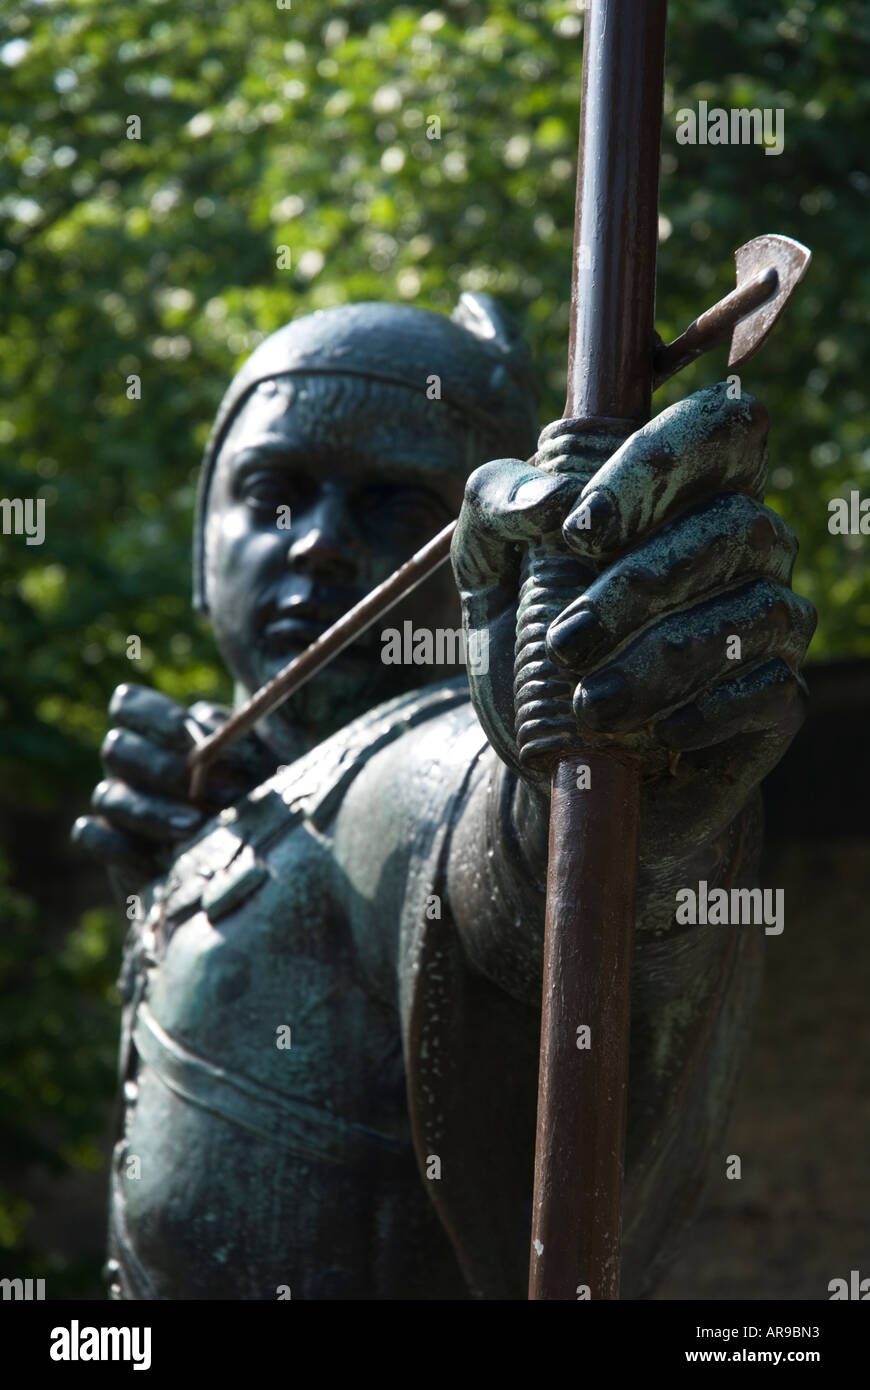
(595, 796)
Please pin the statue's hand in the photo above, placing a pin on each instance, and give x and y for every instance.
(142, 808)
(688, 632)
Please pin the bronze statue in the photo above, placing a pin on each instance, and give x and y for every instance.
(332, 994)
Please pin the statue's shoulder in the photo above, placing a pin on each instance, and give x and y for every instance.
(321, 779)
(225, 863)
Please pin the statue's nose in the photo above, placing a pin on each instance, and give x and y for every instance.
(324, 544)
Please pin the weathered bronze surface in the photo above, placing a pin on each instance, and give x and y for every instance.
(375, 880)
(336, 957)
(323, 649)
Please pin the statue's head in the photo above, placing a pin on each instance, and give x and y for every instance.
(342, 445)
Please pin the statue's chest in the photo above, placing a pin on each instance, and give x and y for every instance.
(249, 963)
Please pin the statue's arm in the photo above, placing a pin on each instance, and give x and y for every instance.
(497, 873)
(685, 636)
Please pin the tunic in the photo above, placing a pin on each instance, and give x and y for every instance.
(330, 1037)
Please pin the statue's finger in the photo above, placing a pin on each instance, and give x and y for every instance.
(112, 847)
(715, 545)
(143, 764)
(507, 504)
(150, 713)
(153, 817)
(769, 697)
(682, 654)
(705, 444)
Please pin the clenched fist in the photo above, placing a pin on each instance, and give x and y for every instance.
(678, 636)
(142, 808)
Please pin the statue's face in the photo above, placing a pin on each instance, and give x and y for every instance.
(369, 473)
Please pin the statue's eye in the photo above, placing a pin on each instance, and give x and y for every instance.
(264, 490)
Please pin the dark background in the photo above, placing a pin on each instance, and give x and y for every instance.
(306, 128)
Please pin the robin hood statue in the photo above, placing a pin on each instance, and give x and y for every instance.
(332, 993)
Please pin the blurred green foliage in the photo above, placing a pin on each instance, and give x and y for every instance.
(310, 127)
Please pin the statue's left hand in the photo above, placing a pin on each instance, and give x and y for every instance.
(687, 630)
(142, 809)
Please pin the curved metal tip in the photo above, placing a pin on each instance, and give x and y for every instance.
(790, 259)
